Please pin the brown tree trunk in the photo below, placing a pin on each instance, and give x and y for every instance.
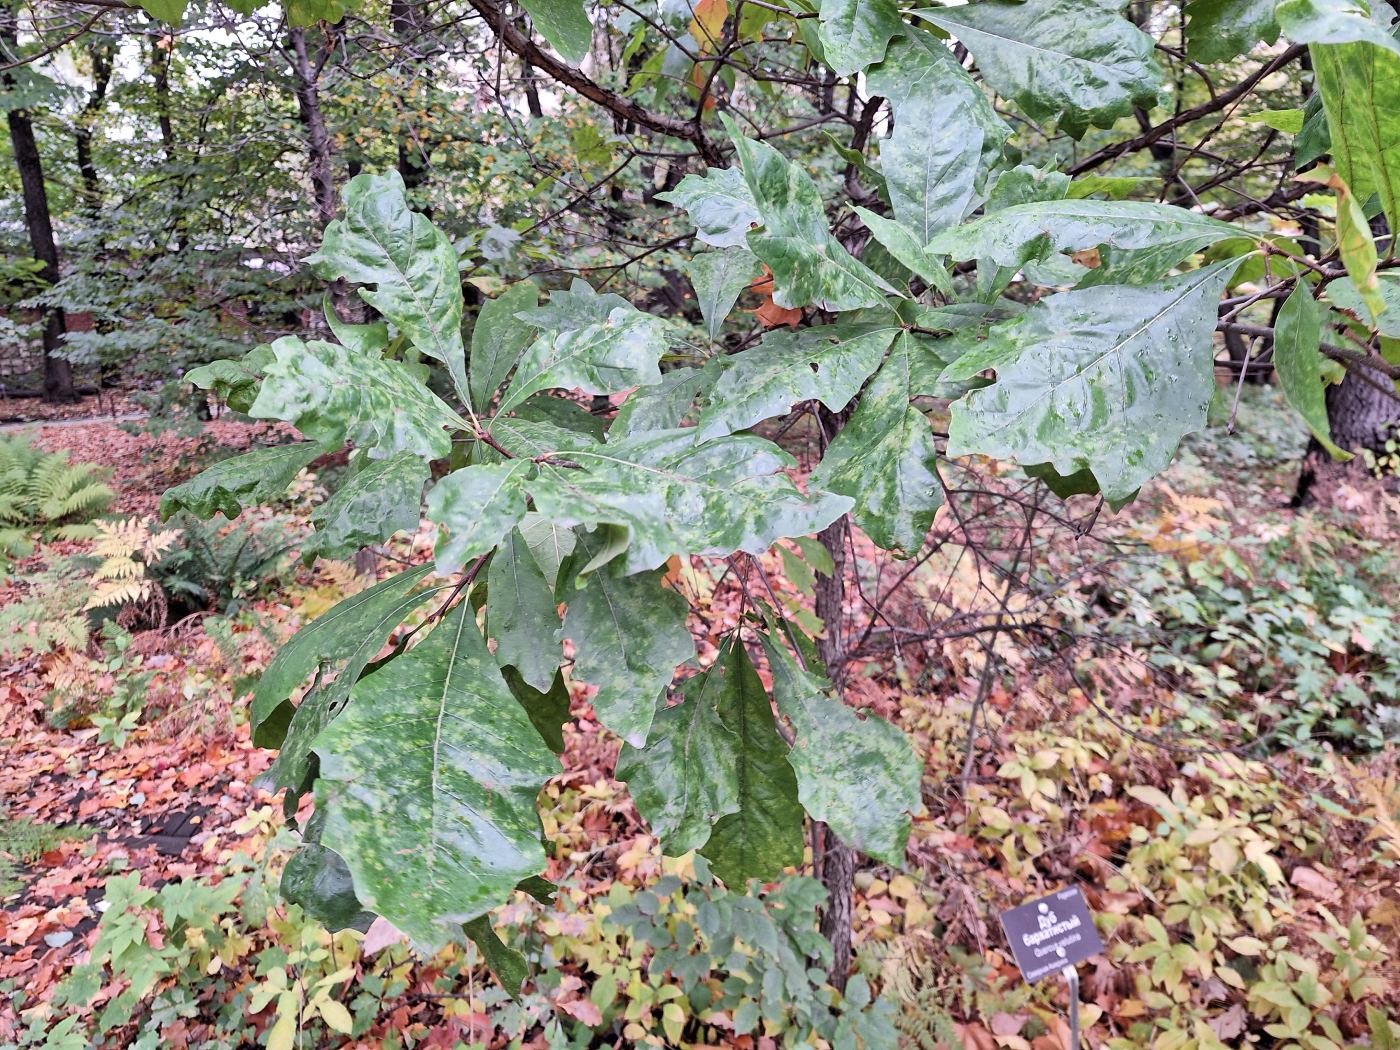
(58, 373)
(161, 48)
(1362, 416)
(100, 54)
(320, 167)
(1363, 411)
(319, 154)
(405, 19)
(835, 862)
(320, 160)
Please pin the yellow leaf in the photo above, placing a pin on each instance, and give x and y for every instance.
(284, 1033)
(1246, 945)
(708, 24)
(336, 1016)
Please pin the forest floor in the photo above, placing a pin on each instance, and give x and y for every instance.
(1246, 890)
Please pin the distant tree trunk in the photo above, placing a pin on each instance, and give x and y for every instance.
(319, 154)
(100, 54)
(532, 92)
(161, 48)
(320, 157)
(58, 373)
(320, 166)
(405, 19)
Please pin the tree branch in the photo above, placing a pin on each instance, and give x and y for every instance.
(521, 45)
(1186, 116)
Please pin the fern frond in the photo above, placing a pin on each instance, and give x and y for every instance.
(74, 532)
(120, 539)
(15, 542)
(119, 592)
(120, 569)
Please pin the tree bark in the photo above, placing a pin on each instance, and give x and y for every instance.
(100, 54)
(835, 862)
(1362, 416)
(161, 48)
(58, 373)
(320, 161)
(319, 155)
(405, 19)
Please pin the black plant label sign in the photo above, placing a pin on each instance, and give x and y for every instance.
(1049, 934)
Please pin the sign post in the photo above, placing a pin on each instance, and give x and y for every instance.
(1054, 933)
(1072, 979)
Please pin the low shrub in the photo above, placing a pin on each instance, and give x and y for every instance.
(680, 962)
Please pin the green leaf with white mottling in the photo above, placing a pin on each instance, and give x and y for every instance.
(1344, 296)
(476, 506)
(335, 396)
(578, 306)
(335, 648)
(428, 784)
(680, 495)
(918, 68)
(230, 485)
(629, 636)
(236, 380)
(1360, 88)
(498, 340)
(683, 780)
(907, 251)
(713, 775)
(1110, 378)
(1080, 60)
(564, 23)
(764, 834)
(1337, 22)
(855, 33)
(1218, 30)
(409, 261)
(383, 497)
(549, 543)
(720, 205)
(521, 614)
(547, 709)
(885, 458)
(528, 438)
(505, 963)
(718, 278)
(808, 263)
(605, 358)
(664, 406)
(1298, 361)
(934, 162)
(858, 775)
(371, 338)
(1025, 233)
(828, 363)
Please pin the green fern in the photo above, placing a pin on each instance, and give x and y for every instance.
(44, 613)
(23, 842)
(43, 495)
